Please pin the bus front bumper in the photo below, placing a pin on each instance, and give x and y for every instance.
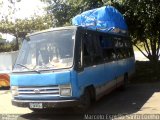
(46, 103)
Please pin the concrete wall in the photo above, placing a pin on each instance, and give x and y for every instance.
(7, 60)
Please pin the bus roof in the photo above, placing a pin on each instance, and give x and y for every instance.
(74, 27)
(54, 29)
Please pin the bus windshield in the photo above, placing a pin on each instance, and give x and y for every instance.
(47, 50)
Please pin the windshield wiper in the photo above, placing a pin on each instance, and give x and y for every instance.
(28, 68)
(45, 67)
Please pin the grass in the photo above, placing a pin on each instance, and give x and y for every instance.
(145, 73)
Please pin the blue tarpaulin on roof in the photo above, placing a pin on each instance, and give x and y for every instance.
(107, 19)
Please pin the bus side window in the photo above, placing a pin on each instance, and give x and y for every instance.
(131, 53)
(87, 53)
(120, 53)
(98, 55)
(91, 50)
(120, 48)
(128, 47)
(87, 57)
(107, 48)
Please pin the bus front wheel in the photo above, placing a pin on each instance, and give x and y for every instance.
(85, 100)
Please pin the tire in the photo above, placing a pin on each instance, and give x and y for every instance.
(85, 101)
(125, 82)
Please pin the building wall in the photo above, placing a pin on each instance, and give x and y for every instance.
(7, 60)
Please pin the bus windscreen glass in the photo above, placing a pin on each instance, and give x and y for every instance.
(47, 50)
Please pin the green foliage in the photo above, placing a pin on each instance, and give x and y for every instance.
(23, 26)
(60, 11)
(0, 37)
(145, 73)
(143, 18)
(146, 15)
(84, 5)
(63, 10)
(20, 27)
(7, 47)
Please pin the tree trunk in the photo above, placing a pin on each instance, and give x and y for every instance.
(17, 44)
(154, 66)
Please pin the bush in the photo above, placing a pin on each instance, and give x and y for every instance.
(7, 47)
(145, 72)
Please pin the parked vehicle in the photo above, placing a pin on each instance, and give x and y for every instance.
(4, 80)
(70, 67)
(7, 60)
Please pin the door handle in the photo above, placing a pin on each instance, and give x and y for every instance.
(94, 66)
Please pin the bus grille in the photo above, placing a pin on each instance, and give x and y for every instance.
(43, 90)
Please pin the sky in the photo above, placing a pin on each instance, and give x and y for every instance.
(29, 7)
(24, 9)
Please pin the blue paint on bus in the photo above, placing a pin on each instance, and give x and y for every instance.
(45, 79)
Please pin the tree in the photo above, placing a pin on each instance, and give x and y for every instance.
(24, 26)
(20, 27)
(37, 23)
(60, 11)
(144, 21)
(63, 11)
(84, 5)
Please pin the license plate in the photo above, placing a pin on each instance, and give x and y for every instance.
(36, 105)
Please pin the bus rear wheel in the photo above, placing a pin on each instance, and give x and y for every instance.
(125, 82)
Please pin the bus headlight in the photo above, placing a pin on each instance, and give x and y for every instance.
(65, 90)
(14, 90)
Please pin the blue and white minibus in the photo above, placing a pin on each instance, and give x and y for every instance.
(70, 67)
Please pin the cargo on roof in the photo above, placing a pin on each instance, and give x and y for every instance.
(107, 19)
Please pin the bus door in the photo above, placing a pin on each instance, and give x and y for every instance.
(109, 79)
(121, 60)
(111, 69)
(109, 62)
(93, 67)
